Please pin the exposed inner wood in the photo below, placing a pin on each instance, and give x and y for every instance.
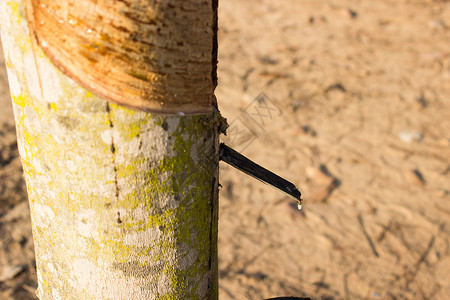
(153, 56)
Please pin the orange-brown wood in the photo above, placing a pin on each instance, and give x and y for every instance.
(156, 55)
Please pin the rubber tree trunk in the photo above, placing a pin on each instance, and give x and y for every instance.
(123, 198)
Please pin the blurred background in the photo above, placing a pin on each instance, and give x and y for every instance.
(350, 100)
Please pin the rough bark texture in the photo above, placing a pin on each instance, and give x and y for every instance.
(123, 202)
(154, 55)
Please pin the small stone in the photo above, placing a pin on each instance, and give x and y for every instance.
(267, 60)
(335, 87)
(441, 193)
(409, 136)
(317, 20)
(415, 177)
(436, 24)
(9, 272)
(305, 130)
(421, 102)
(296, 104)
(317, 175)
(321, 186)
(432, 56)
(351, 14)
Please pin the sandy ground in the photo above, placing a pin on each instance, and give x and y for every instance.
(350, 100)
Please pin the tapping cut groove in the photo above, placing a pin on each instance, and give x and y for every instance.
(158, 59)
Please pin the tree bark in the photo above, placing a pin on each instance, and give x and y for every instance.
(123, 201)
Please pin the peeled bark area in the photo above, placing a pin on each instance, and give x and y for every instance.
(123, 202)
(153, 55)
